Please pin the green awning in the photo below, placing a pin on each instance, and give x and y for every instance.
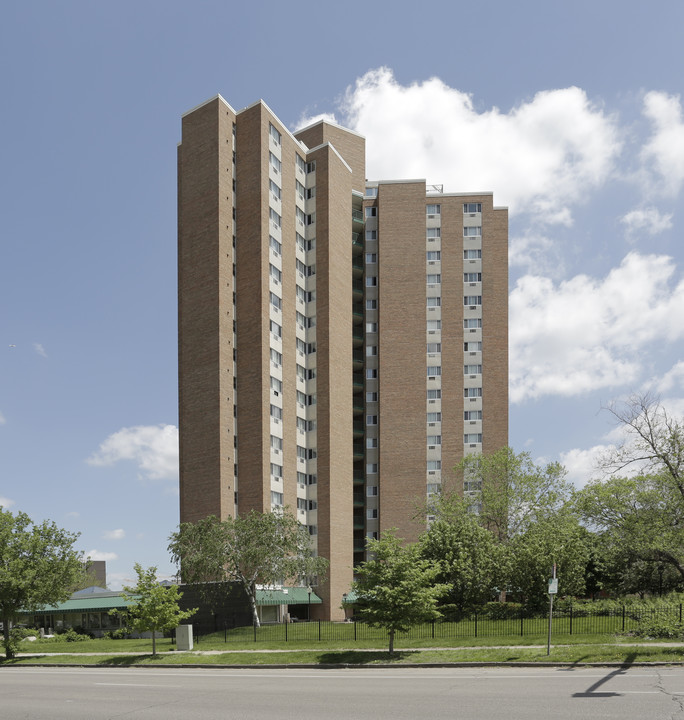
(88, 604)
(287, 596)
(350, 598)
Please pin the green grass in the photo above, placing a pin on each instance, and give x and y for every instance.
(575, 654)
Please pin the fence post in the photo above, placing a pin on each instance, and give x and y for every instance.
(623, 618)
(571, 619)
(433, 629)
(254, 624)
(319, 631)
(286, 624)
(476, 623)
(521, 621)
(354, 630)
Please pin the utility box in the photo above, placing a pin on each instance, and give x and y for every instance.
(184, 637)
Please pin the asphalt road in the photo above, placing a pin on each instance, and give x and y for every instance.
(395, 694)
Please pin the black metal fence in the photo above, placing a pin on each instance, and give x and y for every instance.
(580, 620)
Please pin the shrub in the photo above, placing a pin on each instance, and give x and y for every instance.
(658, 628)
(72, 636)
(118, 634)
(502, 611)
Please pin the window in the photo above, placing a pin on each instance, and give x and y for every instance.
(472, 346)
(472, 207)
(276, 412)
(372, 513)
(275, 190)
(301, 346)
(276, 357)
(312, 504)
(371, 490)
(300, 190)
(434, 232)
(311, 166)
(371, 258)
(371, 327)
(313, 530)
(371, 304)
(434, 394)
(372, 468)
(301, 319)
(470, 438)
(371, 373)
(276, 385)
(311, 479)
(275, 301)
(434, 302)
(472, 392)
(301, 372)
(434, 464)
(472, 415)
(301, 164)
(472, 277)
(371, 192)
(276, 329)
(434, 439)
(433, 209)
(301, 504)
(301, 268)
(433, 255)
(434, 371)
(301, 452)
(301, 479)
(434, 279)
(472, 485)
(371, 234)
(275, 245)
(434, 488)
(301, 242)
(371, 419)
(434, 347)
(277, 470)
(275, 273)
(311, 218)
(434, 324)
(275, 218)
(434, 417)
(371, 443)
(275, 135)
(472, 299)
(371, 397)
(275, 163)
(276, 498)
(472, 231)
(472, 323)
(472, 254)
(472, 369)
(371, 350)
(301, 397)
(310, 193)
(371, 281)
(371, 212)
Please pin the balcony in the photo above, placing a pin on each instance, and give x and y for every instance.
(357, 216)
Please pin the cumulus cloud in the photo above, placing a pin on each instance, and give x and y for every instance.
(582, 464)
(39, 349)
(587, 333)
(541, 156)
(99, 555)
(664, 151)
(117, 534)
(6, 502)
(646, 221)
(153, 447)
(536, 253)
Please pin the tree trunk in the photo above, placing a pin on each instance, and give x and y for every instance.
(9, 652)
(251, 594)
(391, 642)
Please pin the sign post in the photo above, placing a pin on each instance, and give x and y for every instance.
(553, 590)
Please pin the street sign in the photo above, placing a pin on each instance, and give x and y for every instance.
(553, 586)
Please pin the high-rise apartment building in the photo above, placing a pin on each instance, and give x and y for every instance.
(342, 343)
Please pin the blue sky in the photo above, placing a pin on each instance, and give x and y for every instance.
(570, 113)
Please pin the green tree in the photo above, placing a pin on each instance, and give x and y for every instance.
(396, 588)
(255, 548)
(155, 608)
(469, 558)
(38, 566)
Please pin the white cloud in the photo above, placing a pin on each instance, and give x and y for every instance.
(588, 333)
(98, 555)
(664, 151)
(582, 464)
(39, 349)
(6, 502)
(153, 447)
(535, 252)
(117, 534)
(542, 156)
(646, 221)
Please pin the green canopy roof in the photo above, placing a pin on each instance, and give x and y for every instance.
(90, 603)
(287, 596)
